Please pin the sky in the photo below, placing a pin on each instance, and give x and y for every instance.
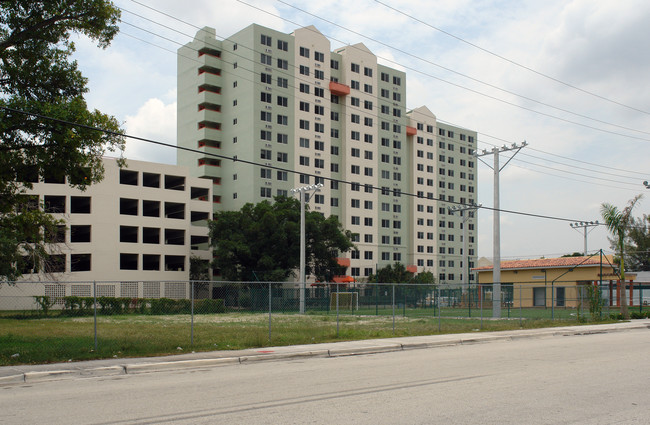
(568, 77)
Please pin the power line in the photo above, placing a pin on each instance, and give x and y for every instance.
(308, 81)
(395, 192)
(449, 69)
(512, 61)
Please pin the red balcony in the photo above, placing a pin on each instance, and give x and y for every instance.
(411, 131)
(413, 269)
(339, 89)
(343, 261)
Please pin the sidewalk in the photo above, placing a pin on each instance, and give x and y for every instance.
(15, 375)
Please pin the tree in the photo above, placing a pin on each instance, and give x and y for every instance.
(421, 284)
(38, 80)
(618, 223)
(262, 241)
(638, 243)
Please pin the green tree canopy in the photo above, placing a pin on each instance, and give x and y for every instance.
(38, 76)
(637, 244)
(618, 223)
(262, 241)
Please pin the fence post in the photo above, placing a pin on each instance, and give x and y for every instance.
(95, 311)
(404, 307)
(480, 298)
(393, 308)
(438, 302)
(270, 307)
(521, 314)
(640, 299)
(337, 310)
(192, 313)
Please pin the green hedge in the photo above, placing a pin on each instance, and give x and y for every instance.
(83, 306)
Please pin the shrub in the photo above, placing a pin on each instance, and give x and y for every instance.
(44, 302)
(207, 306)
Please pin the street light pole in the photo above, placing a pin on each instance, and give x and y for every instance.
(303, 193)
(496, 237)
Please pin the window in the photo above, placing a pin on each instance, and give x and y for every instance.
(367, 71)
(319, 75)
(282, 157)
(304, 52)
(385, 77)
(265, 192)
(354, 85)
(367, 221)
(304, 124)
(355, 169)
(282, 176)
(319, 57)
(282, 64)
(354, 67)
(304, 88)
(266, 78)
(266, 116)
(304, 70)
(367, 88)
(282, 101)
(283, 82)
(334, 64)
(266, 40)
(319, 92)
(355, 118)
(355, 221)
(265, 59)
(319, 163)
(355, 152)
(397, 81)
(283, 119)
(265, 97)
(304, 161)
(319, 128)
(334, 116)
(304, 106)
(265, 173)
(354, 101)
(283, 45)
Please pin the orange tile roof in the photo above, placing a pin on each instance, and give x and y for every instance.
(543, 263)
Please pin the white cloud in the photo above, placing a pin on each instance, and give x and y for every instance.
(599, 46)
(155, 121)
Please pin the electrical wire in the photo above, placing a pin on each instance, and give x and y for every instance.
(310, 80)
(512, 61)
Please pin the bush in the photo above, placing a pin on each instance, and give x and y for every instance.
(44, 302)
(206, 306)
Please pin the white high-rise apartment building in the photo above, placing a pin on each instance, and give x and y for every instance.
(305, 114)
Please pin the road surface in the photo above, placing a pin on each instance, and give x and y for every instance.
(583, 379)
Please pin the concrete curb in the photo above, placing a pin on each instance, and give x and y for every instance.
(372, 347)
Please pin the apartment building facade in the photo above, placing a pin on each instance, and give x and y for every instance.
(262, 112)
(142, 223)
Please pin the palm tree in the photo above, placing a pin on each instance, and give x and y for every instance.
(617, 223)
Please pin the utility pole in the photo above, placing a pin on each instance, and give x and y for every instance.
(304, 193)
(496, 238)
(585, 225)
(470, 213)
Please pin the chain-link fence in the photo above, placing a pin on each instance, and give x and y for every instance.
(116, 317)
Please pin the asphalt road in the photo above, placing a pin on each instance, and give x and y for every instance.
(579, 379)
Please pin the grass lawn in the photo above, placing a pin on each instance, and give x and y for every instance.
(57, 339)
